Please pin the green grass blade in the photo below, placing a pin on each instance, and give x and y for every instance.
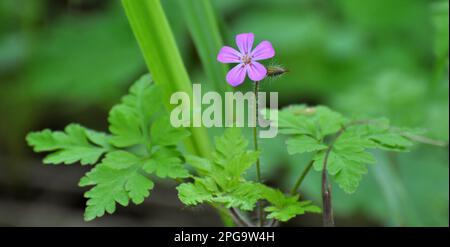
(203, 27)
(158, 46)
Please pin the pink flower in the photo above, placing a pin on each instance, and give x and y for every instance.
(246, 57)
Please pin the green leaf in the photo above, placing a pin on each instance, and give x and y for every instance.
(350, 175)
(120, 177)
(286, 207)
(237, 166)
(231, 158)
(244, 196)
(289, 211)
(138, 187)
(99, 138)
(120, 160)
(347, 168)
(313, 129)
(130, 120)
(222, 178)
(391, 141)
(347, 160)
(125, 127)
(193, 194)
(228, 146)
(303, 144)
(166, 163)
(113, 186)
(208, 183)
(362, 157)
(201, 165)
(294, 120)
(329, 121)
(351, 141)
(316, 122)
(164, 134)
(334, 162)
(75, 144)
(223, 181)
(144, 98)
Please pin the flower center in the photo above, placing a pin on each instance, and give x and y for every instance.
(246, 59)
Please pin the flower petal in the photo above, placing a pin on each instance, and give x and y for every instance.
(263, 51)
(236, 75)
(256, 71)
(244, 41)
(229, 55)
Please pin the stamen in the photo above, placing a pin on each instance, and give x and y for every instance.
(246, 59)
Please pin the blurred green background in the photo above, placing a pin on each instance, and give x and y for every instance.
(65, 61)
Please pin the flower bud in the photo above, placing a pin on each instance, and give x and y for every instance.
(275, 70)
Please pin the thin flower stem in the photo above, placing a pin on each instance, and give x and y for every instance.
(301, 178)
(255, 142)
(328, 218)
(255, 132)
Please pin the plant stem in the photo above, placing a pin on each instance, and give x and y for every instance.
(203, 26)
(155, 38)
(255, 131)
(328, 218)
(302, 177)
(255, 143)
(202, 23)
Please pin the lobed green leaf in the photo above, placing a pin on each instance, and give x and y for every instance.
(345, 143)
(74, 144)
